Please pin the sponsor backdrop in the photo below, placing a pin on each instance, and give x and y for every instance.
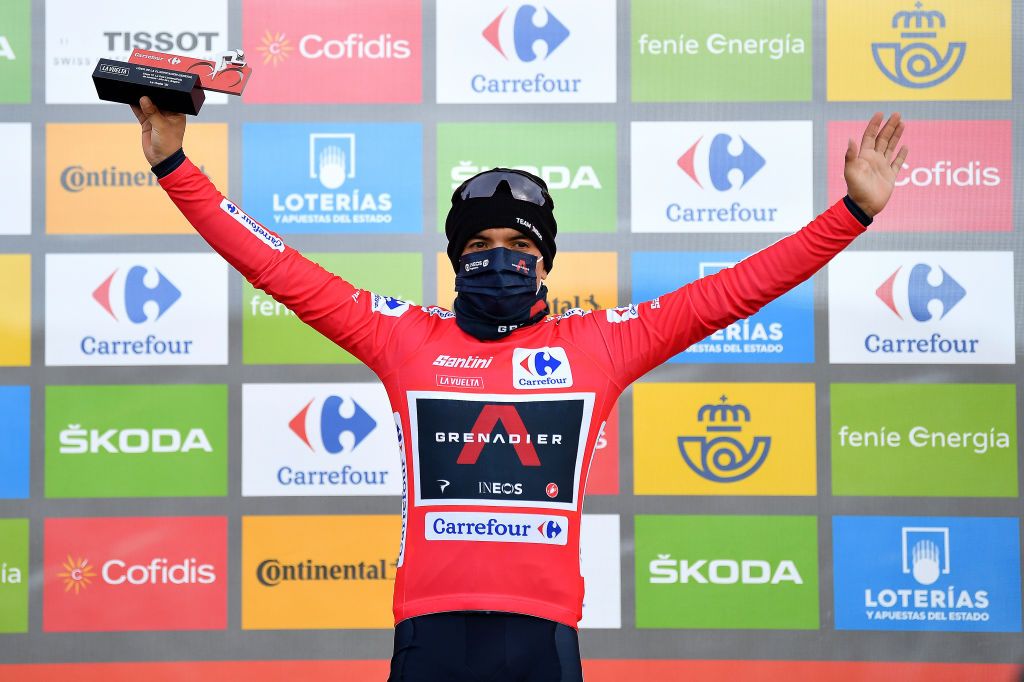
(194, 484)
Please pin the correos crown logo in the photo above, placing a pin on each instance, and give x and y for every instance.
(917, 60)
(523, 32)
(719, 455)
(331, 425)
(719, 163)
(920, 293)
(137, 294)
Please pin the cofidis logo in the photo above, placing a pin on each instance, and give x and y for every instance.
(16, 174)
(724, 439)
(14, 441)
(316, 572)
(136, 441)
(949, 440)
(98, 182)
(576, 160)
(77, 35)
(14, 575)
(937, 50)
(16, 322)
(721, 176)
(710, 52)
(272, 334)
(782, 331)
(152, 573)
(332, 178)
(16, 51)
(927, 573)
(552, 51)
(959, 179)
(318, 439)
(921, 307)
(310, 51)
(727, 572)
(136, 309)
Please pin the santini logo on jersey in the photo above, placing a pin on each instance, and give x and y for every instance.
(479, 527)
(464, 361)
(540, 368)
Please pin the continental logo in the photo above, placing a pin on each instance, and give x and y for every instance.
(97, 181)
(272, 572)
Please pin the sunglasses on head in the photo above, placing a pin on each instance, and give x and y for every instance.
(521, 185)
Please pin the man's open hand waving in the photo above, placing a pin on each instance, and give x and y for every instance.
(871, 170)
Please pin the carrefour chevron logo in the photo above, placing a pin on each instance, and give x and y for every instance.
(540, 364)
(135, 299)
(523, 32)
(914, 294)
(714, 162)
(326, 426)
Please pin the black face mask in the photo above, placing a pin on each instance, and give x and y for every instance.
(498, 293)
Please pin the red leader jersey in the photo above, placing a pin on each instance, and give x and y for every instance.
(497, 437)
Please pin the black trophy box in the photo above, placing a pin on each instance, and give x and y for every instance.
(126, 83)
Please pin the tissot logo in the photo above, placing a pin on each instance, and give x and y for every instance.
(76, 36)
(497, 451)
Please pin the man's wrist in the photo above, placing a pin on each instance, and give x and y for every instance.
(857, 211)
(170, 164)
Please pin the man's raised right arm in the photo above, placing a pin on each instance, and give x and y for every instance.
(321, 299)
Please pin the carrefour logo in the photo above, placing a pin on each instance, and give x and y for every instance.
(526, 33)
(721, 176)
(518, 52)
(538, 368)
(497, 527)
(919, 293)
(717, 162)
(720, 455)
(136, 294)
(330, 428)
(922, 307)
(918, 59)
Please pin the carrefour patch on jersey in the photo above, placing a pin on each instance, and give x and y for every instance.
(498, 450)
(782, 331)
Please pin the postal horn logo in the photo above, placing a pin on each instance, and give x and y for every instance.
(919, 293)
(330, 425)
(917, 59)
(137, 295)
(526, 32)
(78, 574)
(720, 455)
(716, 162)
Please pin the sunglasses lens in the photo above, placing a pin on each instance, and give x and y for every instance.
(486, 185)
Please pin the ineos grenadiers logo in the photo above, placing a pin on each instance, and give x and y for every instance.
(719, 457)
(912, 62)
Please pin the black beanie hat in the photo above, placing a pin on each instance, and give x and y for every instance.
(468, 217)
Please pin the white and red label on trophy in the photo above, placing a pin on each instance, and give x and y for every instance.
(228, 73)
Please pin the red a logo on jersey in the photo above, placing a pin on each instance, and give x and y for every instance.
(518, 437)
